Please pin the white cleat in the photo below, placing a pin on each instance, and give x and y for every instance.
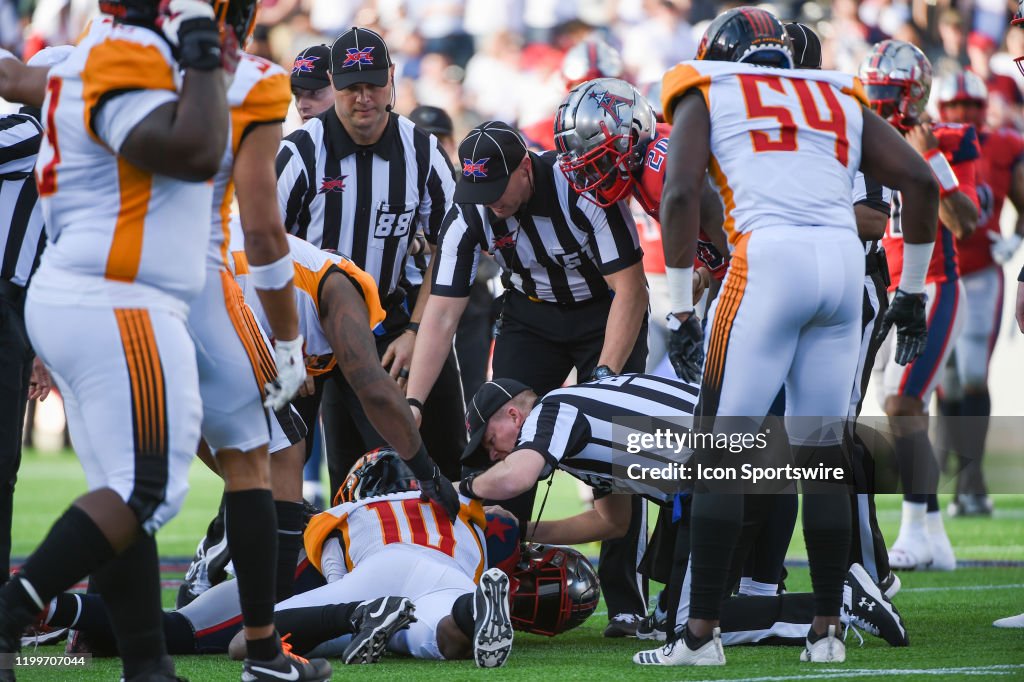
(677, 653)
(943, 558)
(828, 649)
(911, 551)
(492, 631)
(1010, 622)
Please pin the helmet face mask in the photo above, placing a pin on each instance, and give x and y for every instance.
(963, 98)
(602, 130)
(555, 590)
(897, 79)
(378, 472)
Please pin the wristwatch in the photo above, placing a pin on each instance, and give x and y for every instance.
(601, 371)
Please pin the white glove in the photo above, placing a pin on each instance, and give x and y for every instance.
(1003, 248)
(180, 11)
(291, 373)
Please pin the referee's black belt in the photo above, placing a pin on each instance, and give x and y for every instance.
(12, 292)
(565, 306)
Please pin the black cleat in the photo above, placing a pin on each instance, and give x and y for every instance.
(375, 622)
(286, 667)
(865, 607)
(492, 630)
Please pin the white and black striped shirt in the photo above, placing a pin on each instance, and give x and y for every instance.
(21, 219)
(584, 429)
(557, 248)
(875, 195)
(364, 202)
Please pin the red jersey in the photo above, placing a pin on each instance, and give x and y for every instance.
(959, 143)
(647, 192)
(1001, 151)
(541, 134)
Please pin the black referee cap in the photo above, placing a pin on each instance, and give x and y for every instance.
(806, 46)
(488, 399)
(360, 55)
(489, 155)
(310, 68)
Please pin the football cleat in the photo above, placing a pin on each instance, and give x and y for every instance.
(828, 649)
(622, 625)
(652, 628)
(970, 505)
(890, 585)
(42, 635)
(911, 551)
(865, 607)
(677, 653)
(492, 629)
(1010, 622)
(943, 557)
(286, 666)
(210, 557)
(374, 623)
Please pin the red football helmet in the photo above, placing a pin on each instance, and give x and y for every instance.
(554, 589)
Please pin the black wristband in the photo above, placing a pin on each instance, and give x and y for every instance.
(413, 327)
(415, 403)
(421, 465)
(466, 487)
(200, 45)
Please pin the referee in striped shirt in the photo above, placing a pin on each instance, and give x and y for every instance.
(361, 180)
(562, 257)
(21, 232)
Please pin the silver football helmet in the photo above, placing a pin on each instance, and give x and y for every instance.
(590, 58)
(602, 130)
(963, 88)
(897, 78)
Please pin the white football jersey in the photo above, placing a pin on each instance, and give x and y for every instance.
(311, 266)
(785, 144)
(118, 235)
(260, 93)
(367, 526)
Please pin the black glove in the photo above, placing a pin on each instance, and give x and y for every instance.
(192, 31)
(906, 311)
(433, 485)
(686, 348)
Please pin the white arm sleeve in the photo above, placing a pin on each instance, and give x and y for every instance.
(332, 561)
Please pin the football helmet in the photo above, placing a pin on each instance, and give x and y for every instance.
(602, 130)
(554, 589)
(590, 58)
(897, 78)
(747, 34)
(144, 12)
(237, 15)
(378, 472)
(963, 88)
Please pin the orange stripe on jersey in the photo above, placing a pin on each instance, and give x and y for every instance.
(680, 79)
(474, 517)
(725, 315)
(266, 102)
(122, 66)
(146, 379)
(318, 530)
(135, 188)
(857, 92)
(726, 194)
(262, 363)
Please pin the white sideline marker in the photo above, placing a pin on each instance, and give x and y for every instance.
(831, 673)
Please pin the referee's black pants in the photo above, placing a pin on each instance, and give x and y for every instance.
(15, 370)
(868, 544)
(348, 433)
(539, 344)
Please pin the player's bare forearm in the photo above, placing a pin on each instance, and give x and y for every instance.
(265, 240)
(512, 476)
(346, 325)
(184, 139)
(688, 156)
(441, 317)
(870, 222)
(22, 83)
(959, 214)
(589, 526)
(421, 299)
(889, 159)
(625, 316)
(712, 218)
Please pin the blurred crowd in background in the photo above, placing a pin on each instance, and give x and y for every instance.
(502, 59)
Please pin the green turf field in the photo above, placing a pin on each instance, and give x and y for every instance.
(948, 615)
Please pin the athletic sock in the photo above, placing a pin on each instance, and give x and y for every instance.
(693, 642)
(462, 614)
(717, 519)
(130, 585)
(65, 610)
(932, 503)
(827, 536)
(919, 472)
(289, 542)
(308, 626)
(251, 527)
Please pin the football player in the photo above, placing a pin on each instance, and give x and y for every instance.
(766, 138)
(611, 149)
(897, 78)
(962, 100)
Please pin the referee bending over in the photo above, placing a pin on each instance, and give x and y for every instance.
(361, 180)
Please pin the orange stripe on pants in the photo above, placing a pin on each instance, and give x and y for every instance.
(263, 368)
(145, 373)
(721, 327)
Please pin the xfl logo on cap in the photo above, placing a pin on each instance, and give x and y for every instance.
(357, 57)
(475, 170)
(304, 64)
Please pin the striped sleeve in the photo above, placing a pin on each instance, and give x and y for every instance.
(436, 200)
(293, 180)
(20, 137)
(613, 234)
(460, 239)
(556, 430)
(867, 192)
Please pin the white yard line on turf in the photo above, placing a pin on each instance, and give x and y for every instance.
(962, 588)
(1008, 669)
